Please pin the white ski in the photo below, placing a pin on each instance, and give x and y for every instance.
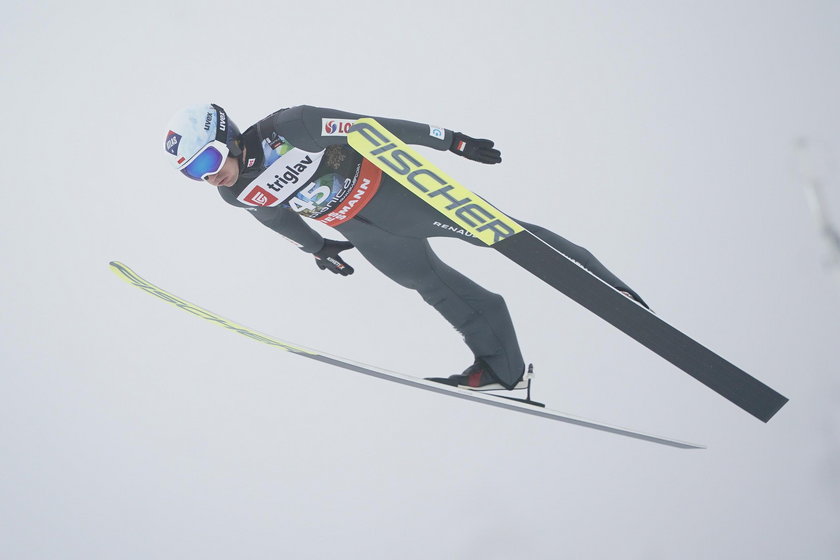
(128, 275)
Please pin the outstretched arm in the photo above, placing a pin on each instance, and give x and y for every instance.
(316, 128)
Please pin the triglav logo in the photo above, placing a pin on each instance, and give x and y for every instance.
(291, 174)
(172, 139)
(336, 127)
(283, 178)
(260, 197)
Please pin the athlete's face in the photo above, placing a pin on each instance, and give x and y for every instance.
(227, 175)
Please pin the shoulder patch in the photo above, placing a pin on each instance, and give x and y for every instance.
(336, 127)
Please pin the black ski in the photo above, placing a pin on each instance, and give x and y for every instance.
(498, 230)
(560, 272)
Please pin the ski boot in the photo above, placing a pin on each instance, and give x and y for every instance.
(479, 377)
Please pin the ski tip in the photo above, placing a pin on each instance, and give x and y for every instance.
(117, 268)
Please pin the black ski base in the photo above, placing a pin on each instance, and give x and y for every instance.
(562, 273)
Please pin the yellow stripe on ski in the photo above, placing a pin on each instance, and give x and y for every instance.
(128, 275)
(376, 144)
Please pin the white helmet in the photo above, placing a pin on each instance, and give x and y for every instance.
(199, 138)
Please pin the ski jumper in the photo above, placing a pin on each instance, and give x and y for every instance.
(296, 163)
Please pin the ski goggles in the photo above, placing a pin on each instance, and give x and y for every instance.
(208, 161)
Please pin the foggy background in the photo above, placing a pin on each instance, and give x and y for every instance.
(658, 135)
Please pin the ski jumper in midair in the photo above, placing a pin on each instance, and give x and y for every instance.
(296, 164)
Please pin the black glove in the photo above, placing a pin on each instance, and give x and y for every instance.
(476, 149)
(327, 258)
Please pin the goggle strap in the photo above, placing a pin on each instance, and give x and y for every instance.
(221, 135)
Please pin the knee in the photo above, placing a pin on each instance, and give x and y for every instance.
(488, 304)
(496, 302)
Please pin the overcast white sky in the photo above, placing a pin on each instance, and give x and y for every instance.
(658, 135)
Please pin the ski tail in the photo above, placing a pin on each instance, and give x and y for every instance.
(645, 327)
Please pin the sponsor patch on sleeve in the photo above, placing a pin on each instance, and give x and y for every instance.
(336, 127)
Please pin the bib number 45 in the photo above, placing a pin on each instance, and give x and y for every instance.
(310, 198)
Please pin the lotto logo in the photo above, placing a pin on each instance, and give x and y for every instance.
(336, 127)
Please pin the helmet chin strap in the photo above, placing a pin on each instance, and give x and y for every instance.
(250, 145)
(233, 146)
